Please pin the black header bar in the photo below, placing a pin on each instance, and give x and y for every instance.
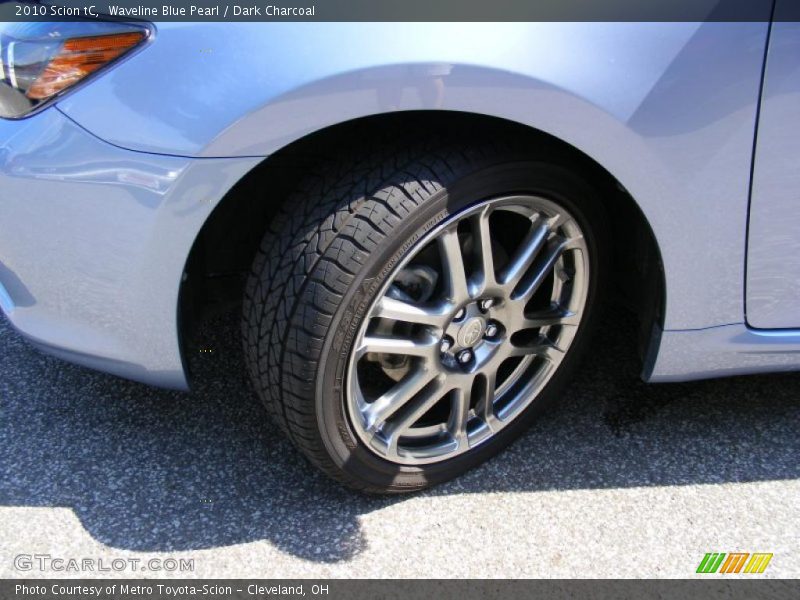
(402, 10)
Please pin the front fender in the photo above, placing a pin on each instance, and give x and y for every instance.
(669, 109)
(197, 89)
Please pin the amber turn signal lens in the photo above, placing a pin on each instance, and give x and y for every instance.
(78, 58)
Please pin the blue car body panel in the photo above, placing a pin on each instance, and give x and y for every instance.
(773, 266)
(102, 196)
(93, 242)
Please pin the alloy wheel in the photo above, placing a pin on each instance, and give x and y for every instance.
(468, 329)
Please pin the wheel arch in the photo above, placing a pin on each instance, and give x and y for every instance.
(218, 261)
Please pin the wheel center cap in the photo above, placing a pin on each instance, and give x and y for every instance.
(471, 332)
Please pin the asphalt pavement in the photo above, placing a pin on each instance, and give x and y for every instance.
(622, 479)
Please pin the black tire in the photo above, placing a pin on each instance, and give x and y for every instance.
(326, 256)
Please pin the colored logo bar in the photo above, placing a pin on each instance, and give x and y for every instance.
(734, 562)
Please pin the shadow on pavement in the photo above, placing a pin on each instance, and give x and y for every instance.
(153, 470)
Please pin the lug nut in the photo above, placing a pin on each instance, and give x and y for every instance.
(491, 330)
(460, 314)
(486, 304)
(446, 344)
(465, 356)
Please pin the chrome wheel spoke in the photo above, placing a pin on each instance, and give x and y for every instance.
(549, 318)
(525, 255)
(462, 397)
(453, 265)
(543, 348)
(398, 310)
(401, 346)
(396, 398)
(538, 274)
(485, 408)
(413, 411)
(485, 254)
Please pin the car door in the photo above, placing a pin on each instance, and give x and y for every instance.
(773, 260)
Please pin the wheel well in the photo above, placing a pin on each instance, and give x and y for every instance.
(222, 254)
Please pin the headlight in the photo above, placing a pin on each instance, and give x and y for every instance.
(40, 61)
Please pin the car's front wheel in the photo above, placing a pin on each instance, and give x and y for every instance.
(407, 316)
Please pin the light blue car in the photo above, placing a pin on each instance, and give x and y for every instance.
(419, 220)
